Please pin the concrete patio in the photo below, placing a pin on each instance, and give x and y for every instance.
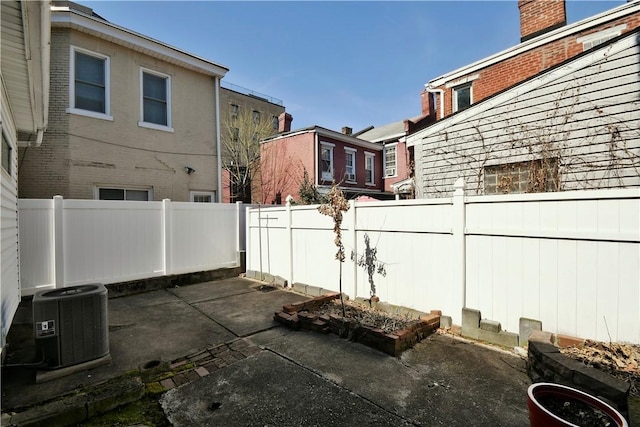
(248, 370)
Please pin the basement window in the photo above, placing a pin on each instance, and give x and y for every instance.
(534, 176)
(123, 194)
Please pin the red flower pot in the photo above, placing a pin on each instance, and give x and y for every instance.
(540, 395)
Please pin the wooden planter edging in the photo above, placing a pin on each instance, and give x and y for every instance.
(300, 316)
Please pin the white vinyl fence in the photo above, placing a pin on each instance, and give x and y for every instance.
(568, 259)
(73, 242)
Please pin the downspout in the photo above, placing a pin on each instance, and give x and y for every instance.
(218, 145)
(45, 65)
(439, 92)
(315, 157)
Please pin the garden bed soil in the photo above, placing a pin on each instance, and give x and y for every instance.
(387, 332)
(620, 360)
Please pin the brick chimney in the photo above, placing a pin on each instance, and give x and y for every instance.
(540, 16)
(284, 122)
(428, 107)
(347, 130)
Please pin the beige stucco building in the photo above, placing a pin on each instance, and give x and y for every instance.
(130, 117)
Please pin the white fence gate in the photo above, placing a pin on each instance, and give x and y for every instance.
(73, 242)
(568, 259)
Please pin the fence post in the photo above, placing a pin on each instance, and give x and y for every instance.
(166, 235)
(240, 237)
(459, 238)
(58, 240)
(354, 243)
(289, 241)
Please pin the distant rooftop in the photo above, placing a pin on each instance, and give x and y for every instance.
(249, 92)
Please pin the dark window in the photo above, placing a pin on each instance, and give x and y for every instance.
(6, 155)
(90, 83)
(123, 194)
(154, 96)
(462, 97)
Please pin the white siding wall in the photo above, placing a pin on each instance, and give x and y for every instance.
(569, 259)
(9, 275)
(10, 288)
(584, 113)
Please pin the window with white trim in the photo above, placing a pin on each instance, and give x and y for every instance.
(326, 159)
(390, 160)
(349, 164)
(6, 155)
(369, 167)
(89, 84)
(256, 117)
(462, 97)
(155, 102)
(114, 193)
(202, 196)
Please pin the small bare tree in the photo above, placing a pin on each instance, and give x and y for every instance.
(335, 206)
(241, 132)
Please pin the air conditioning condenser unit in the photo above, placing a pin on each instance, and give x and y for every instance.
(71, 324)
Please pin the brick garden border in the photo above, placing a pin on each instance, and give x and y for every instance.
(301, 316)
(545, 363)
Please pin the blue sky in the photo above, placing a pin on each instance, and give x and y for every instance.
(335, 63)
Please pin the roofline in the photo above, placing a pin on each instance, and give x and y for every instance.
(386, 138)
(329, 134)
(593, 21)
(598, 53)
(71, 18)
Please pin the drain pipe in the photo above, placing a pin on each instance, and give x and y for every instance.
(439, 92)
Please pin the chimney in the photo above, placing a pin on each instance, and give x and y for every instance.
(540, 16)
(428, 108)
(284, 122)
(347, 130)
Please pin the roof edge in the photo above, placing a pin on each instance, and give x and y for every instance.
(592, 21)
(67, 17)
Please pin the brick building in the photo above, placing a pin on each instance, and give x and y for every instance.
(130, 118)
(557, 112)
(246, 117)
(326, 156)
(546, 40)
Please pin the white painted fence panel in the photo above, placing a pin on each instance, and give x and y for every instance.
(37, 268)
(112, 241)
(72, 242)
(202, 235)
(568, 259)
